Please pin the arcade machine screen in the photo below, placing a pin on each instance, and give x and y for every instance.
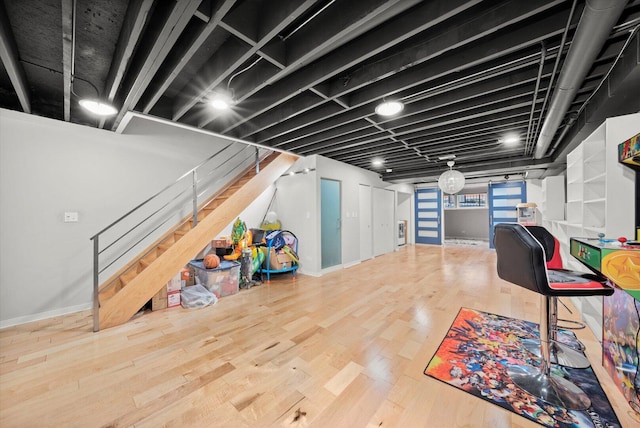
(629, 155)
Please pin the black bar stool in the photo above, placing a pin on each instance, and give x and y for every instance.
(521, 260)
(561, 353)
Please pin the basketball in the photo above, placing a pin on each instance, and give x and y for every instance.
(211, 261)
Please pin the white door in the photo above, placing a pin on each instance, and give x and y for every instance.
(384, 227)
(366, 234)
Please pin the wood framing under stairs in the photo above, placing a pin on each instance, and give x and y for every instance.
(145, 276)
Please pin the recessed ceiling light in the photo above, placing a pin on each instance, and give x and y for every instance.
(98, 107)
(222, 100)
(377, 162)
(219, 104)
(389, 108)
(511, 139)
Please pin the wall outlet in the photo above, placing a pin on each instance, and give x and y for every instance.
(71, 217)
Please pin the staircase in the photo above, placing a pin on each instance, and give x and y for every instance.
(128, 290)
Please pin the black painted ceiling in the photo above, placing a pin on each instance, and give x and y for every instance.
(306, 75)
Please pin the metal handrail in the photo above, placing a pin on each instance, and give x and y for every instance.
(97, 252)
(190, 172)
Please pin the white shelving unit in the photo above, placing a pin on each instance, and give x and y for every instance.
(600, 199)
(553, 198)
(599, 189)
(553, 207)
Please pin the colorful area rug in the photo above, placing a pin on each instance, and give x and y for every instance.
(474, 357)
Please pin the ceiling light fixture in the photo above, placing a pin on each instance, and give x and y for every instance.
(222, 99)
(511, 139)
(389, 108)
(377, 162)
(92, 105)
(451, 181)
(97, 107)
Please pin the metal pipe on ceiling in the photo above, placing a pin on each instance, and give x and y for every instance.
(596, 23)
(543, 56)
(554, 73)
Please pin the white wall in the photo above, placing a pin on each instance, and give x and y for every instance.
(298, 211)
(405, 208)
(49, 167)
(298, 207)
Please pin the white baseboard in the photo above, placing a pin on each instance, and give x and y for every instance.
(348, 265)
(315, 274)
(44, 315)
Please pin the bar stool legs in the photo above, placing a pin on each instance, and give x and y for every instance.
(540, 382)
(560, 353)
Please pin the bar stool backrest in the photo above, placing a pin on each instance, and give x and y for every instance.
(521, 258)
(550, 244)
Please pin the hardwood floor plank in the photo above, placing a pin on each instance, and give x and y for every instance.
(347, 349)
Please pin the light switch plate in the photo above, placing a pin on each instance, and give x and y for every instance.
(71, 217)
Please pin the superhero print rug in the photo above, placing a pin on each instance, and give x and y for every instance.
(478, 349)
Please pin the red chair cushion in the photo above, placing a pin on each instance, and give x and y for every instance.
(560, 279)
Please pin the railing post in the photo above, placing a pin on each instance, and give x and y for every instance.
(96, 296)
(194, 185)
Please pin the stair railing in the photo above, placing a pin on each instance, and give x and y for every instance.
(169, 205)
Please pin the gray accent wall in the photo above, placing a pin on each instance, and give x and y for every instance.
(466, 223)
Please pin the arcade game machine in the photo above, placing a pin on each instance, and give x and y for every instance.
(619, 260)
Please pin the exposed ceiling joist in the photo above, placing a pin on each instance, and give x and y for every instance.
(175, 22)
(307, 75)
(10, 60)
(68, 23)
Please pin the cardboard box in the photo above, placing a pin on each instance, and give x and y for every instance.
(159, 301)
(175, 283)
(188, 276)
(279, 260)
(173, 299)
(222, 242)
(221, 281)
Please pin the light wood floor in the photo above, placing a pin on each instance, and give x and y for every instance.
(344, 350)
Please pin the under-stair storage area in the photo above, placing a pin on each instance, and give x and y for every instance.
(126, 291)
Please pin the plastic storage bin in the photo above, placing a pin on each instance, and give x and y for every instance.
(221, 281)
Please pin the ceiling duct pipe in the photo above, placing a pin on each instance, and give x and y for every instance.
(596, 23)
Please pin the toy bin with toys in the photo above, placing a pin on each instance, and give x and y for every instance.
(221, 281)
